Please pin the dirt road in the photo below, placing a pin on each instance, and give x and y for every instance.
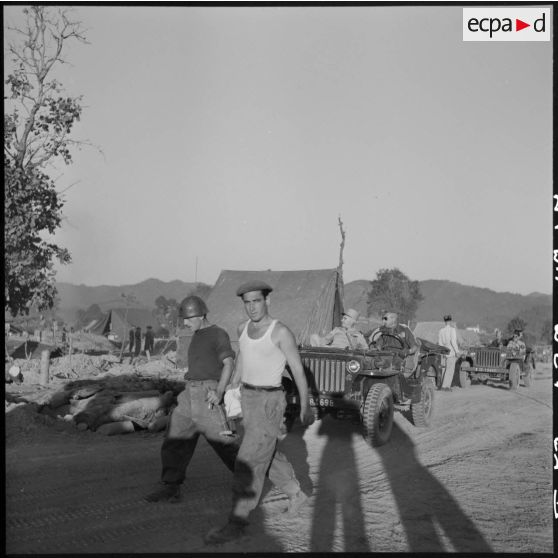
(478, 480)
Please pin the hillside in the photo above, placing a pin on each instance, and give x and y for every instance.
(470, 306)
(76, 297)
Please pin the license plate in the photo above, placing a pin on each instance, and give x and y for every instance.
(321, 402)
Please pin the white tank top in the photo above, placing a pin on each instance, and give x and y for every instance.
(262, 361)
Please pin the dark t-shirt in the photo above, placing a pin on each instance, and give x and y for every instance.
(209, 347)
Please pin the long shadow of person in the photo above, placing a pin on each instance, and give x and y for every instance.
(338, 491)
(426, 508)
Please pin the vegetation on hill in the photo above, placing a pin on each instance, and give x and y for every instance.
(470, 306)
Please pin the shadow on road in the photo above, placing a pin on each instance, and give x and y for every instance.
(338, 491)
(426, 508)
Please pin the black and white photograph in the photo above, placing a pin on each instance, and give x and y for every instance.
(278, 278)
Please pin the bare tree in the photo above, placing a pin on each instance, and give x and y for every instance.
(38, 120)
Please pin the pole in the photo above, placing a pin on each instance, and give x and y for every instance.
(45, 363)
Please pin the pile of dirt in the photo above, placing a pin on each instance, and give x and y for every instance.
(86, 392)
(24, 420)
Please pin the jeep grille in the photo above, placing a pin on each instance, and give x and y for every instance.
(329, 374)
(488, 358)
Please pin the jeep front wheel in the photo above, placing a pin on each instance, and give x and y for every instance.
(514, 375)
(464, 379)
(421, 411)
(377, 417)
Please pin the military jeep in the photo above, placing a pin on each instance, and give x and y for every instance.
(498, 364)
(368, 386)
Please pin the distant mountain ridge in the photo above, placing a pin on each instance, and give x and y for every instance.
(470, 306)
(80, 297)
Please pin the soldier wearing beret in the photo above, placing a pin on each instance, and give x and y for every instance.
(265, 347)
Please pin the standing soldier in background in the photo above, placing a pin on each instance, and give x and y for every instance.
(266, 345)
(137, 341)
(149, 341)
(131, 341)
(199, 411)
(447, 337)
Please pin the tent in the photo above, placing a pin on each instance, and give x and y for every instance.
(429, 331)
(119, 321)
(307, 301)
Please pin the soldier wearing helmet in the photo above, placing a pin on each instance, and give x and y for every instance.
(199, 411)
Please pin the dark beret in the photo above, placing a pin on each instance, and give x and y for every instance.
(447, 318)
(255, 285)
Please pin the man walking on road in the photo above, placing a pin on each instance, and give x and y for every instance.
(199, 411)
(266, 346)
(447, 337)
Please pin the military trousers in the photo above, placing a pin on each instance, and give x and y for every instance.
(192, 417)
(451, 361)
(262, 417)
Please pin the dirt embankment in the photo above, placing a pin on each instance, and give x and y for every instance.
(478, 480)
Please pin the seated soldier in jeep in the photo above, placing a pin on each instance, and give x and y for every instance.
(516, 342)
(344, 337)
(393, 335)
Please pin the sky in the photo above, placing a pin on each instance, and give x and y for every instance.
(236, 137)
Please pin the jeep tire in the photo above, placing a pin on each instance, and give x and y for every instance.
(464, 380)
(421, 412)
(514, 375)
(377, 416)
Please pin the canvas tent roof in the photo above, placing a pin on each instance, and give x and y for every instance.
(121, 320)
(307, 301)
(429, 331)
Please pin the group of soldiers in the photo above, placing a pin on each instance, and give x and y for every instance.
(266, 346)
(214, 373)
(135, 341)
(392, 334)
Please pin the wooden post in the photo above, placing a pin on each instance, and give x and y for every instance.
(70, 350)
(45, 363)
(340, 265)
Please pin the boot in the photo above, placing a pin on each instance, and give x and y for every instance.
(167, 493)
(231, 531)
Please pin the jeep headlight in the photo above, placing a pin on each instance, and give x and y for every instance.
(353, 366)
(473, 354)
(503, 355)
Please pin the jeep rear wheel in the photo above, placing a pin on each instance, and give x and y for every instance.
(514, 375)
(464, 380)
(528, 374)
(422, 410)
(377, 417)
